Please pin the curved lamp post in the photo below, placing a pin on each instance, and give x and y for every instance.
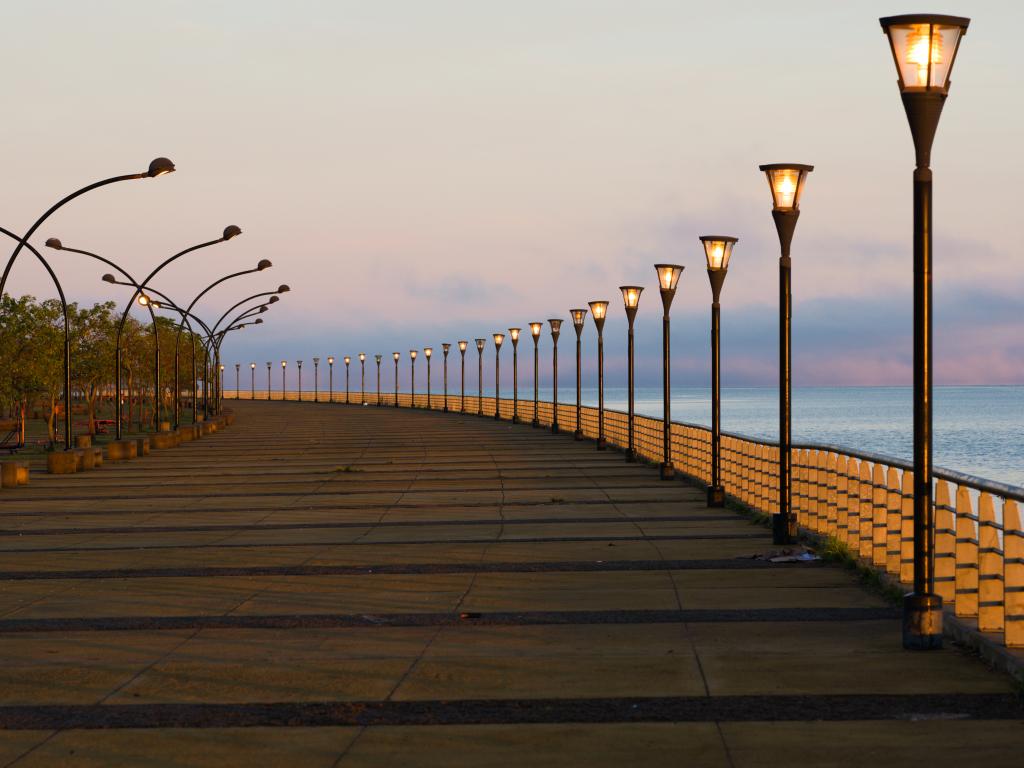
(514, 335)
(330, 378)
(717, 250)
(397, 355)
(427, 353)
(599, 309)
(362, 378)
(786, 182)
(480, 376)
(377, 358)
(631, 300)
(462, 351)
(348, 360)
(668, 280)
(252, 368)
(556, 329)
(535, 328)
(498, 339)
(579, 317)
(924, 48)
(445, 349)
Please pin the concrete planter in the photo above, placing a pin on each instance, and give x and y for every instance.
(22, 467)
(209, 427)
(186, 434)
(97, 457)
(229, 418)
(9, 474)
(83, 441)
(122, 450)
(63, 462)
(165, 426)
(87, 460)
(162, 441)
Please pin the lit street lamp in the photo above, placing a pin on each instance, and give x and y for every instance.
(787, 182)
(631, 300)
(377, 358)
(252, 370)
(599, 309)
(300, 380)
(238, 367)
(718, 250)
(316, 379)
(462, 351)
(268, 379)
(348, 360)
(556, 329)
(668, 280)
(480, 376)
(330, 378)
(924, 47)
(397, 355)
(535, 332)
(446, 347)
(362, 378)
(498, 338)
(428, 352)
(579, 317)
(514, 335)
(284, 366)
(412, 378)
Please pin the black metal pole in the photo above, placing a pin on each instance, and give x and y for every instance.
(445, 381)
(515, 378)
(252, 370)
(428, 383)
(631, 448)
(412, 380)
(330, 382)
(316, 382)
(602, 442)
(268, 381)
(784, 529)
(716, 492)
(378, 382)
(283, 384)
(536, 382)
(347, 398)
(396, 382)
(463, 405)
(362, 380)
(578, 434)
(667, 470)
(554, 383)
(497, 382)
(480, 380)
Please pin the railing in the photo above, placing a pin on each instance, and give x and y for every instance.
(864, 500)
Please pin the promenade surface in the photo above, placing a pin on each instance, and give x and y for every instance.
(327, 585)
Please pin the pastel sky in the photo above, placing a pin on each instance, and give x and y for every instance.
(420, 172)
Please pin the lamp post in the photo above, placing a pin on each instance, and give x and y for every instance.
(377, 358)
(535, 328)
(362, 378)
(217, 399)
(330, 379)
(462, 351)
(514, 335)
(397, 355)
(498, 338)
(284, 389)
(238, 367)
(556, 329)
(924, 47)
(480, 376)
(268, 379)
(579, 317)
(599, 309)
(316, 379)
(668, 280)
(631, 300)
(300, 380)
(348, 360)
(786, 181)
(445, 348)
(252, 370)
(718, 250)
(412, 378)
(428, 352)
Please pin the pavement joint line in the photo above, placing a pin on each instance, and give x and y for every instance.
(756, 708)
(447, 619)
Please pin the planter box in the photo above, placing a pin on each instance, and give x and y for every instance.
(83, 441)
(63, 462)
(122, 450)
(9, 474)
(163, 440)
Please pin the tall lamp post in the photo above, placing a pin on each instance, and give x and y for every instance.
(631, 300)
(599, 309)
(514, 335)
(362, 378)
(462, 351)
(396, 355)
(428, 352)
(718, 250)
(300, 380)
(498, 338)
(480, 376)
(924, 47)
(377, 358)
(445, 348)
(579, 317)
(268, 379)
(412, 378)
(252, 369)
(284, 389)
(238, 389)
(786, 181)
(348, 360)
(556, 329)
(330, 378)
(535, 329)
(316, 379)
(668, 280)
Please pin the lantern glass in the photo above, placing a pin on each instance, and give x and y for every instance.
(397, 355)
(498, 339)
(330, 361)
(347, 359)
(579, 317)
(446, 346)
(668, 276)
(377, 358)
(362, 356)
(480, 343)
(556, 326)
(412, 353)
(631, 295)
(463, 345)
(316, 361)
(599, 309)
(284, 363)
(924, 48)
(428, 351)
(252, 365)
(535, 329)
(786, 182)
(718, 250)
(514, 334)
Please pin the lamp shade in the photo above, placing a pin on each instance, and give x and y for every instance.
(143, 300)
(786, 181)
(480, 344)
(535, 328)
(599, 309)
(253, 366)
(924, 47)
(556, 327)
(445, 347)
(717, 250)
(498, 339)
(514, 334)
(330, 360)
(347, 359)
(462, 345)
(316, 361)
(412, 354)
(631, 295)
(428, 351)
(397, 355)
(377, 358)
(284, 363)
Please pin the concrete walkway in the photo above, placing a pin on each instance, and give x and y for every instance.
(327, 585)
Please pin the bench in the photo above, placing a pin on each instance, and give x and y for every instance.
(10, 436)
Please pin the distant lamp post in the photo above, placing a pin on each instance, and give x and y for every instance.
(924, 47)
(252, 370)
(599, 310)
(535, 328)
(412, 378)
(397, 355)
(514, 335)
(631, 301)
(378, 358)
(498, 339)
(300, 380)
(428, 353)
(238, 387)
(220, 393)
(347, 360)
(480, 376)
(284, 386)
(556, 329)
(786, 181)
(718, 250)
(668, 280)
(462, 351)
(445, 348)
(268, 379)
(362, 378)
(330, 378)
(316, 379)
(579, 317)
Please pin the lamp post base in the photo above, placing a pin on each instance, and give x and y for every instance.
(578, 434)
(497, 415)
(630, 454)
(783, 529)
(535, 423)
(516, 419)
(922, 622)
(666, 471)
(716, 496)
(554, 429)
(602, 444)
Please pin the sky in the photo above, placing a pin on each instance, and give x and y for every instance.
(421, 172)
